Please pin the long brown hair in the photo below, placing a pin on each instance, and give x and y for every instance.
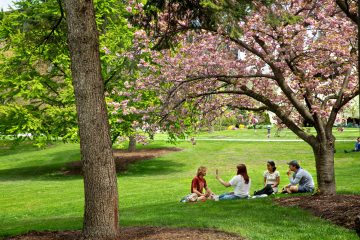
(241, 170)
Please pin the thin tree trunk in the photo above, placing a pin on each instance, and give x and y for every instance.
(132, 143)
(324, 158)
(100, 182)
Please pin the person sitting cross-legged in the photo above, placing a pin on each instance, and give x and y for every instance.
(271, 180)
(356, 148)
(241, 183)
(301, 180)
(198, 184)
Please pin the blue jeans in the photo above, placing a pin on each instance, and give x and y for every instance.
(304, 189)
(229, 196)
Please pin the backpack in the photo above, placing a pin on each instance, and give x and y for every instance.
(266, 190)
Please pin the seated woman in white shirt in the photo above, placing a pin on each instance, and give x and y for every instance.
(271, 180)
(241, 183)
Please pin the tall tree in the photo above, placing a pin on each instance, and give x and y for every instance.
(101, 194)
(351, 8)
(35, 83)
(289, 57)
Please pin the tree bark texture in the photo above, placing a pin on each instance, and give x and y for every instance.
(100, 181)
(132, 143)
(324, 158)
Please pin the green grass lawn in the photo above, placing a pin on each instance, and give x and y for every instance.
(34, 195)
(349, 134)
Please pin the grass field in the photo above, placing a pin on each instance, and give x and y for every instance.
(34, 195)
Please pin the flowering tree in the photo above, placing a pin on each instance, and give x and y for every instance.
(350, 8)
(289, 57)
(131, 105)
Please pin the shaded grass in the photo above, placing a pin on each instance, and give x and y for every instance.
(35, 196)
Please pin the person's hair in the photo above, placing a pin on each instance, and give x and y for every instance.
(295, 164)
(272, 164)
(200, 170)
(358, 138)
(241, 170)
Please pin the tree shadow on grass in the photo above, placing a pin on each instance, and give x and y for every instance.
(155, 166)
(42, 224)
(48, 169)
(246, 214)
(55, 168)
(9, 148)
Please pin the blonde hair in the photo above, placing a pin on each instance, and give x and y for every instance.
(200, 170)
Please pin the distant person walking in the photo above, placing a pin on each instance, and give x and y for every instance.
(357, 146)
(268, 131)
(301, 180)
(254, 122)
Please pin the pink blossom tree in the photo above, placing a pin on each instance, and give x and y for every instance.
(295, 58)
(132, 107)
(350, 8)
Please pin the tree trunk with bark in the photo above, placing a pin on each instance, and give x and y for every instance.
(324, 158)
(100, 182)
(132, 143)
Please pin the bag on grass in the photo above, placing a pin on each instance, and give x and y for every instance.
(266, 190)
(192, 197)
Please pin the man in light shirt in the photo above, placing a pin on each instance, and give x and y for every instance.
(301, 180)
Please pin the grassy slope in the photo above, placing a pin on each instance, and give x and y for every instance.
(35, 196)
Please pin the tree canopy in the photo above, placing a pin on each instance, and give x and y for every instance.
(290, 57)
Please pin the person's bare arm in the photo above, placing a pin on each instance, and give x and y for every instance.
(277, 181)
(197, 192)
(226, 184)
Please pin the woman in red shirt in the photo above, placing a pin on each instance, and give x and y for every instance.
(198, 184)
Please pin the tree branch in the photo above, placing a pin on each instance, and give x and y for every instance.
(339, 100)
(220, 77)
(280, 114)
(258, 109)
(346, 9)
(56, 24)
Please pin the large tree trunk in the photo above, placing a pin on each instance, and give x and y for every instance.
(324, 158)
(100, 182)
(132, 143)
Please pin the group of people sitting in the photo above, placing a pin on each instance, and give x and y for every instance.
(301, 181)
